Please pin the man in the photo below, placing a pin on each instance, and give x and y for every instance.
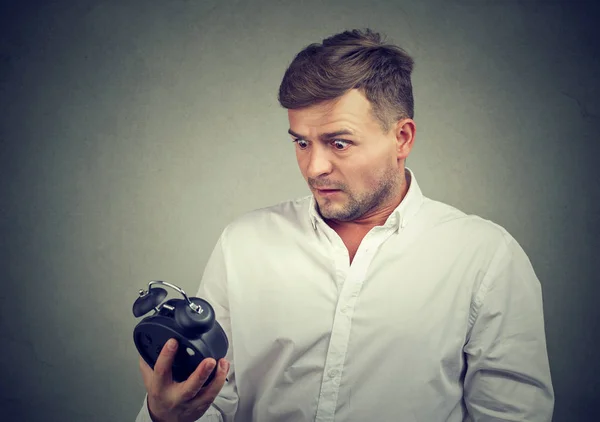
(365, 300)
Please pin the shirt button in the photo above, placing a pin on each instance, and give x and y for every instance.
(332, 373)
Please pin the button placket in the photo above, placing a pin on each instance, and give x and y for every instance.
(351, 278)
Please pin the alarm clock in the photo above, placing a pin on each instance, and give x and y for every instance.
(191, 321)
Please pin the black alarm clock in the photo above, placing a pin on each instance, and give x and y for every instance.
(191, 321)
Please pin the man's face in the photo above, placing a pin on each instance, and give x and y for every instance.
(352, 167)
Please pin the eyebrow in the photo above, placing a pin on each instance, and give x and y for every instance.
(325, 136)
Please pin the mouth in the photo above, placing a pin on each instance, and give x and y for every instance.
(326, 192)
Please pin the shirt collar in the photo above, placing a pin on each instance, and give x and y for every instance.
(399, 218)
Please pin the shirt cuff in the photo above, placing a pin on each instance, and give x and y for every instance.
(211, 415)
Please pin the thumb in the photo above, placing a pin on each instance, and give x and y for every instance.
(162, 368)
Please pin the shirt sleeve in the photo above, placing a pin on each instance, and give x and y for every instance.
(213, 288)
(508, 375)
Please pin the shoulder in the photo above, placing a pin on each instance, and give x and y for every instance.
(285, 216)
(471, 241)
(466, 234)
(446, 217)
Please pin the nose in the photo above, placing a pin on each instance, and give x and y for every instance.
(319, 163)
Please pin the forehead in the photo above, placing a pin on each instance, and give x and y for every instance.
(352, 110)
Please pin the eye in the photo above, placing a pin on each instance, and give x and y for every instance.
(302, 144)
(340, 144)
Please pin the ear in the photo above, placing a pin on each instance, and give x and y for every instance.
(406, 130)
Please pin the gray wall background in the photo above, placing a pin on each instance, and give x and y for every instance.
(132, 132)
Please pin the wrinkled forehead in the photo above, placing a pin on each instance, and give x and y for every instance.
(351, 111)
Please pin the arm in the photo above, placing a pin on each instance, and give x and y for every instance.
(213, 288)
(508, 374)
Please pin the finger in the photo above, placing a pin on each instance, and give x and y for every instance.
(196, 380)
(212, 390)
(162, 368)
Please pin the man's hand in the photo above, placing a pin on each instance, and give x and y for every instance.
(169, 401)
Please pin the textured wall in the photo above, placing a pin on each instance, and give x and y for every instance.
(132, 132)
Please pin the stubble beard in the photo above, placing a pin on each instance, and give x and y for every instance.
(353, 207)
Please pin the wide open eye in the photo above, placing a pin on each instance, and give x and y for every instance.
(302, 144)
(340, 144)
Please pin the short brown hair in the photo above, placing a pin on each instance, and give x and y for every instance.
(352, 60)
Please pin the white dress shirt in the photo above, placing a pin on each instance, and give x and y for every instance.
(438, 318)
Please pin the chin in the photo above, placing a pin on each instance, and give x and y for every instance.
(333, 213)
